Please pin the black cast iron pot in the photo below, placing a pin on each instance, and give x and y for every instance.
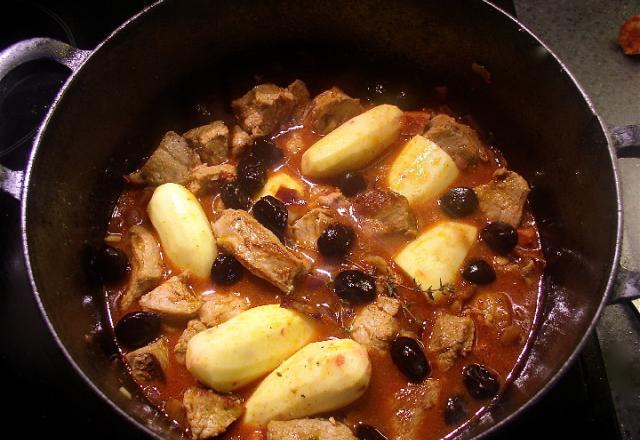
(150, 75)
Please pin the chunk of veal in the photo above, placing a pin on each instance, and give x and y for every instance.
(386, 211)
(149, 362)
(209, 413)
(410, 406)
(240, 140)
(451, 336)
(170, 162)
(422, 171)
(194, 327)
(375, 324)
(257, 249)
(317, 429)
(321, 377)
(210, 141)
(492, 309)
(247, 346)
(354, 144)
(262, 109)
(278, 180)
(203, 178)
(306, 230)
(435, 257)
(221, 307)
(329, 110)
(146, 264)
(183, 229)
(460, 141)
(503, 198)
(172, 299)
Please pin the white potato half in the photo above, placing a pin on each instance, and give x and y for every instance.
(354, 144)
(422, 170)
(183, 228)
(278, 180)
(247, 346)
(436, 255)
(321, 377)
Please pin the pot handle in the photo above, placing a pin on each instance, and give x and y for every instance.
(23, 52)
(626, 141)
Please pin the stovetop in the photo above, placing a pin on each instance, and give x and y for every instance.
(45, 396)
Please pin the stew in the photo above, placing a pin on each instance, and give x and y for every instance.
(323, 267)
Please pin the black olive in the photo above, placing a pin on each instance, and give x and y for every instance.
(455, 411)
(459, 202)
(234, 197)
(137, 329)
(272, 214)
(501, 237)
(368, 432)
(336, 240)
(355, 286)
(410, 359)
(351, 183)
(266, 152)
(252, 173)
(110, 264)
(479, 272)
(226, 270)
(480, 382)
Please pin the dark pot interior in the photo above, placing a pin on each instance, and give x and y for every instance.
(160, 71)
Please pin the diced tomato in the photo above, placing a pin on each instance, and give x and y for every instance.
(629, 37)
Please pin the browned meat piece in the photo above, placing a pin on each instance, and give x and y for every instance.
(452, 336)
(413, 123)
(306, 230)
(493, 309)
(172, 299)
(329, 110)
(502, 199)
(335, 200)
(194, 327)
(171, 162)
(221, 307)
(146, 265)
(262, 109)
(375, 325)
(308, 429)
(257, 249)
(240, 140)
(524, 266)
(410, 405)
(460, 141)
(300, 92)
(293, 142)
(149, 362)
(210, 141)
(209, 413)
(204, 178)
(387, 211)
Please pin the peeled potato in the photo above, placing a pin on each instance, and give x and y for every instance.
(436, 255)
(183, 229)
(422, 170)
(354, 144)
(281, 180)
(321, 377)
(247, 346)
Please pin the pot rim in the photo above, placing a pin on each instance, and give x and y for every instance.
(612, 270)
